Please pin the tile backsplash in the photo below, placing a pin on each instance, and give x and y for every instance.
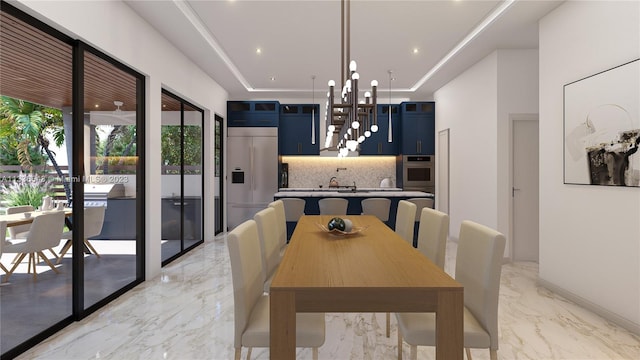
(367, 172)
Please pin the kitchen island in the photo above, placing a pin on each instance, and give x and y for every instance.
(312, 195)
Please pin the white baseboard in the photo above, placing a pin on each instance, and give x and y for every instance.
(613, 317)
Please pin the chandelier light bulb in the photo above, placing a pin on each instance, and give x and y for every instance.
(355, 76)
(361, 139)
(352, 145)
(349, 131)
(353, 66)
(374, 83)
(332, 83)
(332, 128)
(367, 133)
(346, 136)
(355, 124)
(374, 128)
(367, 94)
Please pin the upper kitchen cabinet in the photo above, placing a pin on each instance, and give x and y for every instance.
(299, 129)
(418, 128)
(253, 113)
(378, 143)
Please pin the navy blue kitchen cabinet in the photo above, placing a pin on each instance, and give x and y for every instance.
(418, 128)
(253, 113)
(295, 129)
(378, 143)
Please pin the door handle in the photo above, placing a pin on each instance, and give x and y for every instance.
(379, 148)
(253, 174)
(513, 191)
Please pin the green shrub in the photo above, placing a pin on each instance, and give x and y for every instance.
(26, 189)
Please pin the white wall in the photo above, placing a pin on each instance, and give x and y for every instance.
(112, 27)
(468, 107)
(589, 235)
(477, 108)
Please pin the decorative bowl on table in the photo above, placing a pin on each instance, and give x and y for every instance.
(341, 227)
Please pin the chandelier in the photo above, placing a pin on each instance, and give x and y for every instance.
(351, 119)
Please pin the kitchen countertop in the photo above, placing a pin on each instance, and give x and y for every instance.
(364, 192)
(341, 188)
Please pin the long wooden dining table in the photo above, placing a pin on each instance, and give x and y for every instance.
(20, 219)
(374, 270)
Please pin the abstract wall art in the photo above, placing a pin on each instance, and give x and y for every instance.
(602, 128)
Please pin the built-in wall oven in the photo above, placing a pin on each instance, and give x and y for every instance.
(418, 173)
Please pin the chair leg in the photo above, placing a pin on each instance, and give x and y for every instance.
(314, 352)
(388, 324)
(46, 260)
(238, 353)
(32, 259)
(399, 345)
(63, 251)
(249, 353)
(15, 265)
(93, 250)
(53, 253)
(493, 354)
(414, 352)
(468, 351)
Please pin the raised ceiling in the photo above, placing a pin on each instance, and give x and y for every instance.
(299, 39)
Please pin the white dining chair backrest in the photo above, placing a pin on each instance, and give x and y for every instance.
(45, 232)
(293, 208)
(269, 243)
(246, 274)
(478, 269)
(376, 206)
(333, 206)
(281, 222)
(93, 220)
(432, 235)
(18, 231)
(421, 203)
(405, 220)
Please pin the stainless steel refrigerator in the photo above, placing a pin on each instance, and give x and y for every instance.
(253, 171)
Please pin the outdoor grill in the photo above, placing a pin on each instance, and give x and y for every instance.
(97, 194)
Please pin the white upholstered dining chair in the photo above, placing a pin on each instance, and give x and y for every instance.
(3, 231)
(432, 235)
(281, 223)
(44, 233)
(19, 231)
(93, 222)
(251, 305)
(266, 222)
(293, 210)
(333, 206)
(478, 268)
(421, 203)
(376, 206)
(405, 220)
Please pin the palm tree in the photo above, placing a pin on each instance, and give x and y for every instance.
(28, 123)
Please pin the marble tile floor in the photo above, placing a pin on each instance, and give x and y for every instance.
(187, 313)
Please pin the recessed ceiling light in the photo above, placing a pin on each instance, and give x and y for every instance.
(415, 50)
(164, 105)
(273, 78)
(97, 105)
(258, 51)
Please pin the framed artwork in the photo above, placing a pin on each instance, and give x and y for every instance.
(602, 128)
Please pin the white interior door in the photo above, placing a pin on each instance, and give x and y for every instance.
(443, 171)
(525, 190)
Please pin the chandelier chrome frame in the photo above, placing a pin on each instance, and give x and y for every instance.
(351, 119)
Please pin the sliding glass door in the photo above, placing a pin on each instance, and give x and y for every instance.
(72, 123)
(182, 182)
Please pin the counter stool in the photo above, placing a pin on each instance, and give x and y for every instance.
(333, 206)
(378, 207)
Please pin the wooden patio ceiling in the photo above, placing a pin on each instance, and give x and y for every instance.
(36, 67)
